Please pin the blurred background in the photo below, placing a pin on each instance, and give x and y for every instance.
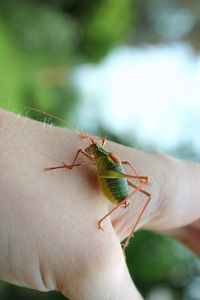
(125, 69)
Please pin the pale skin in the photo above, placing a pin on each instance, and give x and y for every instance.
(48, 234)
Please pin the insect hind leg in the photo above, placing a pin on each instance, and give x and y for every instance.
(148, 195)
(122, 203)
(133, 169)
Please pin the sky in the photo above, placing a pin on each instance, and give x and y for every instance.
(151, 92)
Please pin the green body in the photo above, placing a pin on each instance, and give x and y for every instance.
(114, 187)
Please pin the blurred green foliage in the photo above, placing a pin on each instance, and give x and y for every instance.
(41, 42)
(8, 292)
(36, 44)
(107, 27)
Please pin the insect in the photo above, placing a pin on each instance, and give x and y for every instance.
(113, 180)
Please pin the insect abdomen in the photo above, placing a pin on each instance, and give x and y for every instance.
(115, 189)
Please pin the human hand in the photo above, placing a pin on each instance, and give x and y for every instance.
(48, 237)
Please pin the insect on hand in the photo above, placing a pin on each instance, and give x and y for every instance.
(113, 180)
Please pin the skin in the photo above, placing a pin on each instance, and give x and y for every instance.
(48, 234)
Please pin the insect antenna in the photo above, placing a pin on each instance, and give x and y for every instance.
(82, 134)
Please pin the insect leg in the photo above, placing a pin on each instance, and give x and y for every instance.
(103, 141)
(114, 174)
(84, 135)
(148, 195)
(64, 166)
(126, 204)
(74, 164)
(132, 168)
(80, 151)
(123, 202)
